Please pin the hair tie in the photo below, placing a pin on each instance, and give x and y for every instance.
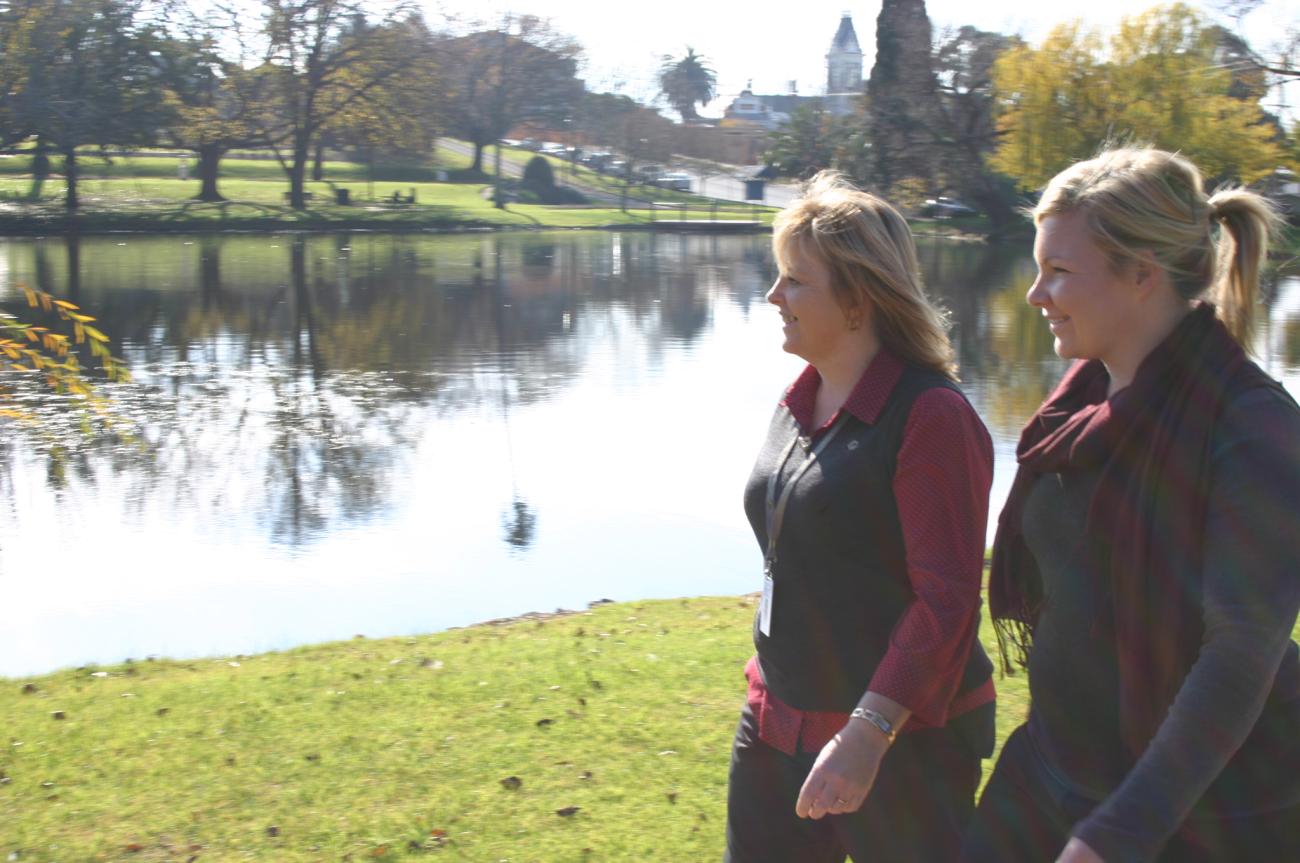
(1217, 213)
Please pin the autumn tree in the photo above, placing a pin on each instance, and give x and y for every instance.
(687, 81)
(1155, 80)
(77, 73)
(522, 71)
(404, 116)
(207, 96)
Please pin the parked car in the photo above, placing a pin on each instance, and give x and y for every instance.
(550, 148)
(648, 173)
(675, 180)
(946, 208)
(615, 168)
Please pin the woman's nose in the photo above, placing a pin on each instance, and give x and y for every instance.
(774, 293)
(1036, 296)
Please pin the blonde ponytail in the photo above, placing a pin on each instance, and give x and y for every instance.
(1246, 222)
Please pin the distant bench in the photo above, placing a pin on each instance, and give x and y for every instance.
(397, 199)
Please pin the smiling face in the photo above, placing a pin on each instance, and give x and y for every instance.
(1090, 307)
(817, 328)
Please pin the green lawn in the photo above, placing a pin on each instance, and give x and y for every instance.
(143, 193)
(392, 749)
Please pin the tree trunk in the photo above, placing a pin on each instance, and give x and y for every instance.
(209, 163)
(477, 167)
(40, 161)
(297, 173)
(318, 162)
(209, 271)
(72, 244)
(70, 202)
(304, 313)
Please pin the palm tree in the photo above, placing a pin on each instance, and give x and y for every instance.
(687, 81)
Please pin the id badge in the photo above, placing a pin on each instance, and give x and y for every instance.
(765, 607)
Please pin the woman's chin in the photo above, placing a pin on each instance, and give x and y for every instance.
(1065, 350)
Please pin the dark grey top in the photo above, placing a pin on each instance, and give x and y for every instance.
(1073, 674)
(1220, 740)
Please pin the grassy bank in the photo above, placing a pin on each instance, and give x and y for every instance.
(393, 748)
(143, 193)
(601, 735)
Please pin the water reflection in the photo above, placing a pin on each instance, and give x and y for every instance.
(387, 434)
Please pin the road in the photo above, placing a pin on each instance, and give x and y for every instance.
(723, 187)
(727, 188)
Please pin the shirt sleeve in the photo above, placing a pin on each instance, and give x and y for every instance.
(1251, 595)
(941, 484)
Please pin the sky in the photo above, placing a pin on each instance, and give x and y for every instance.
(774, 44)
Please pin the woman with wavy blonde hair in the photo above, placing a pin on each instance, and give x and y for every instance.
(870, 701)
(1144, 569)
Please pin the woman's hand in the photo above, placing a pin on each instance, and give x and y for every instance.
(1077, 851)
(844, 772)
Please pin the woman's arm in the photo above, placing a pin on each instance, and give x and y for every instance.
(846, 768)
(941, 484)
(1251, 594)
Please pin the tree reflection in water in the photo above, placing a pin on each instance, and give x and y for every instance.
(289, 381)
(519, 521)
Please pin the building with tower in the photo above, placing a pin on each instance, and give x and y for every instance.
(844, 84)
(844, 80)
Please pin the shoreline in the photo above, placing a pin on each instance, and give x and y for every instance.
(79, 226)
(537, 617)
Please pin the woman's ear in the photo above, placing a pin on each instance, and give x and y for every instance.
(1147, 272)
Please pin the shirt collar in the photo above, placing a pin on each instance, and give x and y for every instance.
(866, 400)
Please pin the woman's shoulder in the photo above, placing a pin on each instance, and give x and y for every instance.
(942, 410)
(1258, 409)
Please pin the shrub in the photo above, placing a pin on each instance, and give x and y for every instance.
(538, 174)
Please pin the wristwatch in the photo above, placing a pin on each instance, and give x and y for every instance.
(877, 719)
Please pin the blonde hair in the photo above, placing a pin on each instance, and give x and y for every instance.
(869, 252)
(1140, 199)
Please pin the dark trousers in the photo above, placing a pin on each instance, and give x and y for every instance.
(915, 813)
(1024, 816)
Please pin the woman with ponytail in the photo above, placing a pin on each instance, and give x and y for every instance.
(1146, 569)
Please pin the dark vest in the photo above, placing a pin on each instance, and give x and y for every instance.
(840, 576)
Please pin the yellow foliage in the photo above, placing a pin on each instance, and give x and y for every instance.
(36, 348)
(1156, 81)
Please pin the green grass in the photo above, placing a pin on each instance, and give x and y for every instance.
(143, 193)
(394, 749)
(387, 749)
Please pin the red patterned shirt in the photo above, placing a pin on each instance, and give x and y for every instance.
(941, 483)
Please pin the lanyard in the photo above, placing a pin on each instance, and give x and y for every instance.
(775, 507)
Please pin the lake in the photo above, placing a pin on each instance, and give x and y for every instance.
(332, 435)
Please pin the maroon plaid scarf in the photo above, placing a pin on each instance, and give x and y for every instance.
(1151, 443)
